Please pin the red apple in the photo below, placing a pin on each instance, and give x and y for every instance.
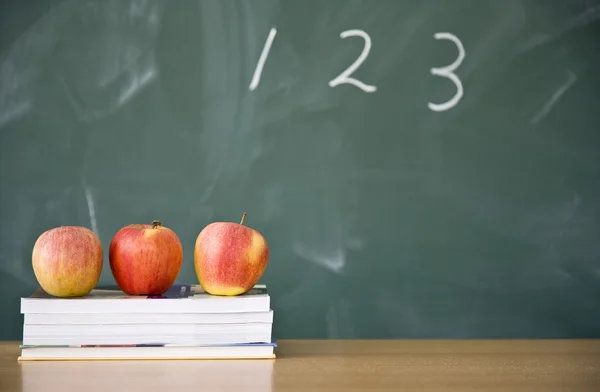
(230, 258)
(145, 259)
(67, 261)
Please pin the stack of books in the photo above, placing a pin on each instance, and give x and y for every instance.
(183, 323)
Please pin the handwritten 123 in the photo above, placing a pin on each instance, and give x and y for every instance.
(346, 76)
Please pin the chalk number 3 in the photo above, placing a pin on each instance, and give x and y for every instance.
(448, 72)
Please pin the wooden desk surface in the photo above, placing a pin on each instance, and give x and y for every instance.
(390, 365)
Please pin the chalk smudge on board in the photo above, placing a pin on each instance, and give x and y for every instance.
(332, 259)
(571, 79)
(19, 69)
(16, 239)
(113, 58)
(58, 201)
(137, 82)
(13, 110)
(91, 209)
(273, 202)
(575, 22)
(339, 323)
(227, 116)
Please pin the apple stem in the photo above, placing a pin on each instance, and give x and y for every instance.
(156, 224)
(243, 218)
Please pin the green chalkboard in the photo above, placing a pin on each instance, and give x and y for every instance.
(419, 168)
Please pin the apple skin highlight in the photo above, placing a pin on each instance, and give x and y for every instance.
(230, 258)
(67, 261)
(145, 259)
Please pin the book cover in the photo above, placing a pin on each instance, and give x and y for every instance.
(176, 291)
(180, 298)
(257, 344)
(147, 352)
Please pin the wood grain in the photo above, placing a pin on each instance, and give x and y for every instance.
(333, 365)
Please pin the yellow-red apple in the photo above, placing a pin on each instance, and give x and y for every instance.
(67, 261)
(145, 259)
(230, 258)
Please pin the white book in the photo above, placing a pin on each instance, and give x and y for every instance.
(182, 335)
(178, 299)
(147, 333)
(132, 352)
(215, 339)
(147, 318)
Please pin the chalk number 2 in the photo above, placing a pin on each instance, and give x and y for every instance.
(346, 76)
